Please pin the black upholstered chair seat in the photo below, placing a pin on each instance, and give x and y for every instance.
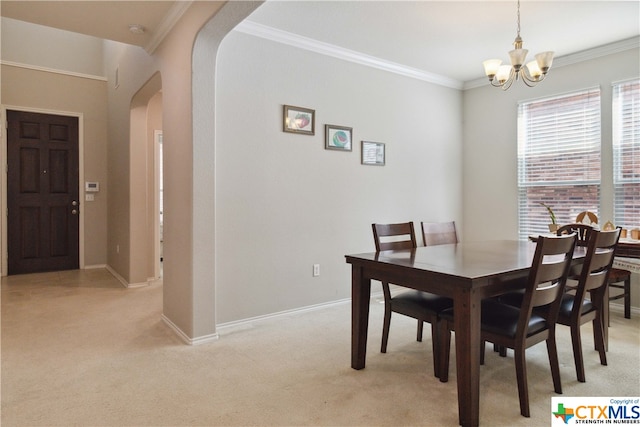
(502, 319)
(566, 306)
(416, 302)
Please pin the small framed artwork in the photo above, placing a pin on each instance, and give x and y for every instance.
(299, 120)
(337, 138)
(373, 153)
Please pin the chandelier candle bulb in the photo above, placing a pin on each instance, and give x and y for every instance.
(534, 69)
(518, 57)
(504, 73)
(491, 67)
(544, 60)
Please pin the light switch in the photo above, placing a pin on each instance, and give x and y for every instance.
(89, 197)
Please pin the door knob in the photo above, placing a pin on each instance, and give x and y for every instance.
(74, 203)
(74, 212)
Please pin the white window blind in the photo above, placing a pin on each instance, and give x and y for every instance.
(558, 159)
(626, 154)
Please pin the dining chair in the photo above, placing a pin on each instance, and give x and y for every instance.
(423, 306)
(519, 328)
(439, 233)
(582, 231)
(618, 278)
(576, 310)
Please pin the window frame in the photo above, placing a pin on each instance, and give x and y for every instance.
(625, 123)
(550, 131)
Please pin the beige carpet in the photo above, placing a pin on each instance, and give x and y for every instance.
(78, 349)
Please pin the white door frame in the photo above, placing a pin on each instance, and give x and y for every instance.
(157, 149)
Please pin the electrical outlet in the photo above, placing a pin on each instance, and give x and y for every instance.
(316, 270)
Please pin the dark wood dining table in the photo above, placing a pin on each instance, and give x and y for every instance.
(467, 272)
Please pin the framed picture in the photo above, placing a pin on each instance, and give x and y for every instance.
(337, 138)
(373, 153)
(299, 120)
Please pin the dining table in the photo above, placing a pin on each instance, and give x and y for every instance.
(467, 272)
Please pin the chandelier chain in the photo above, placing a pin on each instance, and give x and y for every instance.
(518, 18)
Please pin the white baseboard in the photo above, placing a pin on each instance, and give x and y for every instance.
(94, 267)
(117, 276)
(619, 308)
(184, 337)
(243, 322)
(138, 285)
(123, 281)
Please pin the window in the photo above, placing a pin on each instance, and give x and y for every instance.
(626, 154)
(558, 159)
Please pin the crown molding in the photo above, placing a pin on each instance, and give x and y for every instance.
(301, 42)
(52, 70)
(295, 40)
(170, 19)
(574, 58)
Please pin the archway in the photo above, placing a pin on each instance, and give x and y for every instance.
(204, 109)
(146, 120)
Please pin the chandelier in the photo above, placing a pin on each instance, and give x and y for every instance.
(503, 76)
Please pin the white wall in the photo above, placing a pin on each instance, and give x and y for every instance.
(490, 142)
(47, 47)
(284, 203)
(134, 68)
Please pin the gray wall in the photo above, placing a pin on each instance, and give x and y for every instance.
(284, 203)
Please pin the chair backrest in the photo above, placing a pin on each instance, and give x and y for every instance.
(439, 233)
(547, 279)
(394, 236)
(582, 231)
(596, 266)
(589, 216)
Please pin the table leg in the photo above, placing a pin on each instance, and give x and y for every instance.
(360, 296)
(467, 333)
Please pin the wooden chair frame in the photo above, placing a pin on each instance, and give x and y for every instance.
(422, 306)
(544, 287)
(593, 279)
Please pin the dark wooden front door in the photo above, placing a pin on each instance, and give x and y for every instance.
(42, 192)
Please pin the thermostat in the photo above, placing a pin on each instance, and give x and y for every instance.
(92, 187)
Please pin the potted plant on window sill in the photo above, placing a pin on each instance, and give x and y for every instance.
(553, 227)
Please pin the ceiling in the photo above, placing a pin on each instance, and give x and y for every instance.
(446, 38)
(103, 19)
